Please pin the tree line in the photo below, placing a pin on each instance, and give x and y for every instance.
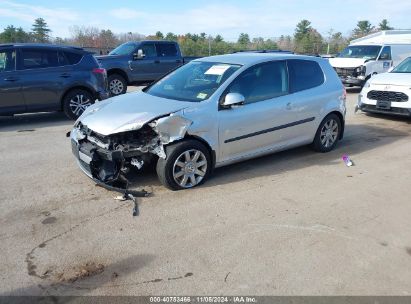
(306, 39)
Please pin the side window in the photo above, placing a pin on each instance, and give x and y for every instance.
(261, 82)
(149, 50)
(385, 53)
(38, 58)
(166, 50)
(68, 58)
(7, 60)
(304, 74)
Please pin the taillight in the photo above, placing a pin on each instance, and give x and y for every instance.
(99, 71)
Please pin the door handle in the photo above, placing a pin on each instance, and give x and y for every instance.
(156, 61)
(288, 106)
(65, 75)
(12, 79)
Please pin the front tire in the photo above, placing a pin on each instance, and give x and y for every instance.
(117, 85)
(76, 101)
(187, 165)
(327, 134)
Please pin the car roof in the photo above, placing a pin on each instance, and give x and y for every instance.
(43, 45)
(254, 58)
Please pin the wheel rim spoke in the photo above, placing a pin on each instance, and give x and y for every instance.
(190, 168)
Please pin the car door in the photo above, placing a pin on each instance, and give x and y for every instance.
(307, 99)
(146, 68)
(384, 60)
(263, 122)
(11, 97)
(43, 78)
(168, 56)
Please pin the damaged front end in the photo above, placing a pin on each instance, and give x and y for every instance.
(108, 158)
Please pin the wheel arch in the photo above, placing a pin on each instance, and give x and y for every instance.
(206, 144)
(77, 87)
(342, 121)
(119, 72)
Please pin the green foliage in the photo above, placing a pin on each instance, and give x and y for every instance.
(244, 40)
(383, 26)
(306, 39)
(336, 43)
(40, 31)
(364, 27)
(159, 35)
(12, 34)
(171, 37)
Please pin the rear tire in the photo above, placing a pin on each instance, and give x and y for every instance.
(117, 85)
(328, 134)
(76, 101)
(187, 165)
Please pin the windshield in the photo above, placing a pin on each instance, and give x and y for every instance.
(124, 49)
(361, 51)
(194, 82)
(403, 67)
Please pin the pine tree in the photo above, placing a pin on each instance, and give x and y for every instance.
(383, 26)
(40, 30)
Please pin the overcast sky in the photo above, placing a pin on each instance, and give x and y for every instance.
(265, 18)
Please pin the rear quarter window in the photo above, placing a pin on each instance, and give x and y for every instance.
(304, 75)
(69, 58)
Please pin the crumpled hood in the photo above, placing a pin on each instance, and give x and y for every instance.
(128, 112)
(346, 62)
(397, 79)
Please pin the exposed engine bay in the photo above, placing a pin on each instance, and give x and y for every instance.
(108, 158)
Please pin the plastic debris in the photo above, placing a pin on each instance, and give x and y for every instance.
(348, 162)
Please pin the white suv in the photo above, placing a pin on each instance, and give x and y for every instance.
(388, 93)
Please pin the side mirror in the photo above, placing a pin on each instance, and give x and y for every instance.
(233, 99)
(138, 55)
(390, 69)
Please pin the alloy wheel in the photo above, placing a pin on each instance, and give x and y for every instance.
(116, 86)
(190, 168)
(79, 103)
(329, 133)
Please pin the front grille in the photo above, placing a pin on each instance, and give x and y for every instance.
(346, 72)
(387, 96)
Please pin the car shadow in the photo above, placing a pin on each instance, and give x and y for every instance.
(33, 121)
(358, 138)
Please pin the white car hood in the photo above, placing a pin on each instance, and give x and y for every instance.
(346, 62)
(128, 112)
(396, 79)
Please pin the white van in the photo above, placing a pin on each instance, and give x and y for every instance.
(371, 55)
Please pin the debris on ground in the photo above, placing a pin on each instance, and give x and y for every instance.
(128, 196)
(84, 271)
(348, 162)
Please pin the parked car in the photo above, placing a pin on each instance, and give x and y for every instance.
(210, 113)
(388, 93)
(42, 77)
(140, 62)
(371, 55)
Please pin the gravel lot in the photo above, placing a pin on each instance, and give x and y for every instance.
(293, 223)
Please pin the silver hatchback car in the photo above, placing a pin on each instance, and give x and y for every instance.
(209, 113)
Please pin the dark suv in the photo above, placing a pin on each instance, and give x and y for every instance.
(42, 77)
